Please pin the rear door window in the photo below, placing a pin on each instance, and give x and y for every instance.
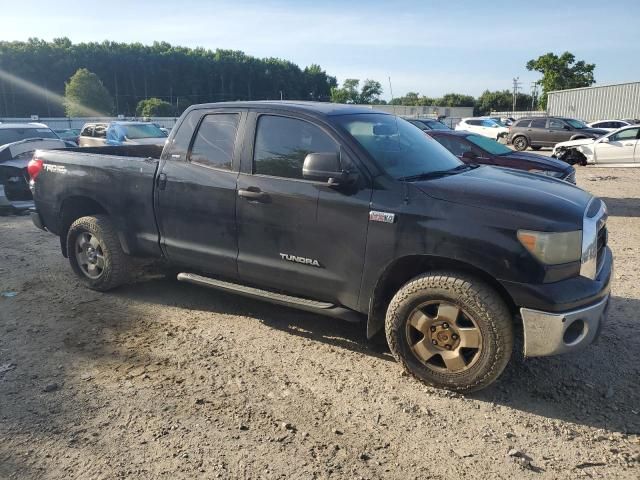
(215, 140)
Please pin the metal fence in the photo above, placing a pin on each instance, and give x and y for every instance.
(599, 102)
(521, 114)
(60, 123)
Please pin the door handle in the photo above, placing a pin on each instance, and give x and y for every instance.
(628, 144)
(254, 194)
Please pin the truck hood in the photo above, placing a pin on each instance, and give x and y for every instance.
(539, 162)
(9, 151)
(512, 192)
(575, 143)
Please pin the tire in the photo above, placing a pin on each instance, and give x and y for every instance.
(520, 143)
(94, 240)
(536, 148)
(428, 303)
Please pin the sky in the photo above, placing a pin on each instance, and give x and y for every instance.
(430, 47)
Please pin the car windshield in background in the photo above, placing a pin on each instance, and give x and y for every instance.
(490, 145)
(575, 123)
(142, 131)
(498, 121)
(398, 147)
(10, 135)
(434, 125)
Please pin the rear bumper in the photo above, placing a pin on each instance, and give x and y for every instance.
(548, 333)
(37, 220)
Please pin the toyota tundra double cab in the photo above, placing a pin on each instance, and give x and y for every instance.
(347, 212)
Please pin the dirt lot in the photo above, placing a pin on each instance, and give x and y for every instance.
(167, 380)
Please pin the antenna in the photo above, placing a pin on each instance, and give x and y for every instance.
(391, 92)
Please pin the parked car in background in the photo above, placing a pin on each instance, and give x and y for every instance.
(121, 133)
(621, 146)
(19, 141)
(474, 148)
(69, 135)
(538, 132)
(93, 135)
(487, 127)
(427, 124)
(610, 125)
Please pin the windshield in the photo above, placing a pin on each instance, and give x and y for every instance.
(577, 124)
(145, 130)
(490, 145)
(435, 125)
(399, 148)
(498, 121)
(10, 135)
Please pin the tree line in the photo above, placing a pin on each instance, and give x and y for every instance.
(132, 72)
(59, 77)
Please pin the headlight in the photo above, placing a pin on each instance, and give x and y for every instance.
(548, 173)
(553, 248)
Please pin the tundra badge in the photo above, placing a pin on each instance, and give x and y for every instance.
(384, 217)
(303, 260)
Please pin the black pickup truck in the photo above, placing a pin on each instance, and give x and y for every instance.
(346, 212)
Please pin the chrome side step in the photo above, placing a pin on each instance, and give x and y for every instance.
(322, 308)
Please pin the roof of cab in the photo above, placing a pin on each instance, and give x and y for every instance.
(318, 108)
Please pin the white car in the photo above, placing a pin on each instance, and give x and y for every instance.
(609, 125)
(621, 146)
(486, 127)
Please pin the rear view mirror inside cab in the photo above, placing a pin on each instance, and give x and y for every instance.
(382, 129)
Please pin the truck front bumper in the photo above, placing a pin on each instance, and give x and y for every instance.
(547, 333)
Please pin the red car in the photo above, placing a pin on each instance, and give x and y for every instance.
(473, 148)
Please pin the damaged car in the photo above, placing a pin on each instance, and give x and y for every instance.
(18, 141)
(618, 147)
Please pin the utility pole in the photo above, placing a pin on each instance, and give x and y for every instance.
(534, 94)
(516, 87)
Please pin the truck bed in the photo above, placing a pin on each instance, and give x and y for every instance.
(119, 180)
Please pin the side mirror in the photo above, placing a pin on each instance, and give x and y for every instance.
(469, 155)
(325, 167)
(567, 127)
(604, 140)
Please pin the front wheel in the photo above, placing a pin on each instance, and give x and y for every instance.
(95, 253)
(450, 331)
(520, 143)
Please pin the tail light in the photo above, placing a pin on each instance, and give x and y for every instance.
(34, 167)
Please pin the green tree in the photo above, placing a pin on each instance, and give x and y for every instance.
(561, 72)
(371, 91)
(85, 95)
(154, 107)
(501, 101)
(456, 100)
(132, 72)
(350, 92)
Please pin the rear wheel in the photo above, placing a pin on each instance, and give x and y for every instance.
(95, 253)
(450, 330)
(520, 143)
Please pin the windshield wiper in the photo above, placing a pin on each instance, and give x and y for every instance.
(438, 173)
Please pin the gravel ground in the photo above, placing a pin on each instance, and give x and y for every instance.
(168, 380)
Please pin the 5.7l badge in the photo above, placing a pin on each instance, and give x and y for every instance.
(384, 217)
